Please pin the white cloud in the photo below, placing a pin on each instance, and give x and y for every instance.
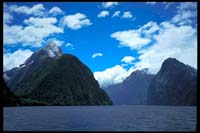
(103, 14)
(12, 34)
(109, 4)
(168, 40)
(40, 22)
(7, 17)
(69, 45)
(111, 75)
(149, 29)
(131, 39)
(11, 60)
(116, 14)
(36, 10)
(128, 59)
(76, 21)
(187, 5)
(55, 11)
(183, 17)
(31, 35)
(179, 42)
(127, 15)
(186, 12)
(96, 55)
(151, 3)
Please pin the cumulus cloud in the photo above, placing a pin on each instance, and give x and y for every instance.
(103, 14)
(96, 55)
(127, 15)
(36, 10)
(111, 75)
(40, 22)
(11, 60)
(114, 75)
(168, 40)
(109, 4)
(55, 11)
(131, 39)
(76, 21)
(128, 59)
(116, 14)
(179, 42)
(31, 35)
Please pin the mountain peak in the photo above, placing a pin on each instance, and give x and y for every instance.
(170, 60)
(51, 44)
(141, 71)
(172, 63)
(174, 84)
(53, 49)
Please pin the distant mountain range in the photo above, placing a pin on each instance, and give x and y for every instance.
(49, 77)
(54, 78)
(133, 90)
(174, 84)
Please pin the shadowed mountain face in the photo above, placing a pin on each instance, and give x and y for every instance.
(9, 99)
(133, 90)
(174, 84)
(57, 79)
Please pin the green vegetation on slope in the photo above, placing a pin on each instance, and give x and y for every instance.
(62, 81)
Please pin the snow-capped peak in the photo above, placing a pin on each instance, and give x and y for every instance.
(53, 49)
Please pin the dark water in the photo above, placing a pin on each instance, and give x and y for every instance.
(100, 118)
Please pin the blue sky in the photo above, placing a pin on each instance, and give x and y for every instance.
(139, 35)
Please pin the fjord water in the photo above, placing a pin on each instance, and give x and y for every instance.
(100, 118)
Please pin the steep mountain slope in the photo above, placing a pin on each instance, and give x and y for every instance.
(174, 84)
(133, 90)
(58, 79)
(15, 75)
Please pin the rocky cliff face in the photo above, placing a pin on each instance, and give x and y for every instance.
(174, 84)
